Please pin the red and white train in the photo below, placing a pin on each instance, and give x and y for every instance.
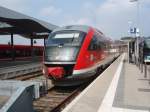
(21, 52)
(73, 54)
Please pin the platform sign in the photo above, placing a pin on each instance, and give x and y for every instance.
(133, 30)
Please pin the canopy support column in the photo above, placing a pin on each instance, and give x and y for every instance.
(44, 42)
(12, 47)
(32, 50)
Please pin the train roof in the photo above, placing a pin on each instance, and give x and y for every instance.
(82, 28)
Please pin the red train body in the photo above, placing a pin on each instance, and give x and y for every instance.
(21, 52)
(73, 54)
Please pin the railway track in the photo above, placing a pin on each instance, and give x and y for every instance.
(56, 99)
(28, 76)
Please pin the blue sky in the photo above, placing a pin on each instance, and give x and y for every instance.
(113, 17)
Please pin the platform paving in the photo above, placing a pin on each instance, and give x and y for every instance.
(120, 88)
(91, 98)
(133, 91)
(3, 100)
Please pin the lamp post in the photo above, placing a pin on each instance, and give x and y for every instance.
(130, 28)
(137, 33)
(137, 15)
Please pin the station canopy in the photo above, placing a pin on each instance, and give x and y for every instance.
(12, 22)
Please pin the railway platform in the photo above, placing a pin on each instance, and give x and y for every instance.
(120, 88)
(20, 69)
(9, 63)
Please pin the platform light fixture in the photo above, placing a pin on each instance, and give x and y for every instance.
(137, 28)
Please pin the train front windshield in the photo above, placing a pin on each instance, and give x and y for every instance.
(63, 46)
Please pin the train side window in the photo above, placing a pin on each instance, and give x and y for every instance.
(100, 45)
(94, 44)
(100, 42)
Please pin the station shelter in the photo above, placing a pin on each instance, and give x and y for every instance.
(12, 23)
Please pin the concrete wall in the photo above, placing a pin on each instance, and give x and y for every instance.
(21, 95)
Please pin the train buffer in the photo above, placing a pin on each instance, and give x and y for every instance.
(120, 88)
